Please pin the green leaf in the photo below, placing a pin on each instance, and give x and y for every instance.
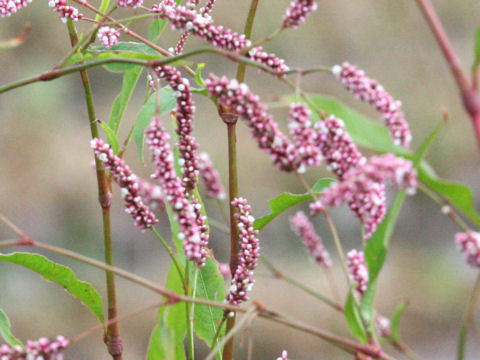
(354, 318)
(166, 341)
(111, 137)
(198, 75)
(477, 47)
(422, 151)
(156, 29)
(5, 331)
(210, 286)
(61, 275)
(395, 322)
(285, 201)
(167, 104)
(376, 253)
(126, 46)
(120, 103)
(103, 8)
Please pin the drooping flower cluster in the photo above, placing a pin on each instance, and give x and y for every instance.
(210, 178)
(152, 194)
(358, 271)
(304, 136)
(65, 11)
(242, 280)
(369, 90)
(284, 355)
(128, 182)
(340, 152)
(312, 241)
(377, 170)
(108, 36)
(129, 3)
(207, 9)
(9, 7)
(276, 64)
(238, 99)
(184, 112)
(200, 25)
(298, 12)
(157, 140)
(41, 349)
(469, 244)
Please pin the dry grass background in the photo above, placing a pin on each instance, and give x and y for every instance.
(48, 188)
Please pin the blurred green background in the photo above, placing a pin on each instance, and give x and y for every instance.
(49, 189)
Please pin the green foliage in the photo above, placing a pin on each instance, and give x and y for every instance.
(477, 47)
(5, 331)
(285, 201)
(166, 341)
(198, 75)
(103, 8)
(354, 318)
(395, 322)
(120, 103)
(61, 275)
(167, 104)
(111, 137)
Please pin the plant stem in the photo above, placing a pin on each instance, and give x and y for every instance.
(113, 338)
(279, 275)
(467, 319)
(468, 91)
(171, 254)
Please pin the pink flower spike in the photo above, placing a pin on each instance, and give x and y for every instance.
(337, 147)
(284, 355)
(129, 3)
(128, 182)
(9, 7)
(369, 90)
(190, 232)
(65, 11)
(152, 194)
(184, 117)
(313, 242)
(239, 100)
(210, 178)
(276, 64)
(358, 271)
(43, 348)
(108, 36)
(304, 136)
(383, 326)
(242, 280)
(298, 12)
(200, 25)
(469, 244)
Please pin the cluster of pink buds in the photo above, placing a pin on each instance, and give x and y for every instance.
(65, 11)
(152, 194)
(108, 36)
(242, 280)
(187, 19)
(284, 355)
(41, 349)
(175, 192)
(9, 7)
(358, 271)
(337, 147)
(129, 3)
(469, 244)
(365, 177)
(369, 90)
(207, 9)
(304, 136)
(239, 100)
(276, 64)
(383, 326)
(128, 182)
(298, 12)
(184, 111)
(210, 178)
(313, 242)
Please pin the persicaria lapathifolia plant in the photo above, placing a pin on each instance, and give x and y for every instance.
(205, 304)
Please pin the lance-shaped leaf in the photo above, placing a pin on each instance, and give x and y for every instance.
(5, 331)
(62, 276)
